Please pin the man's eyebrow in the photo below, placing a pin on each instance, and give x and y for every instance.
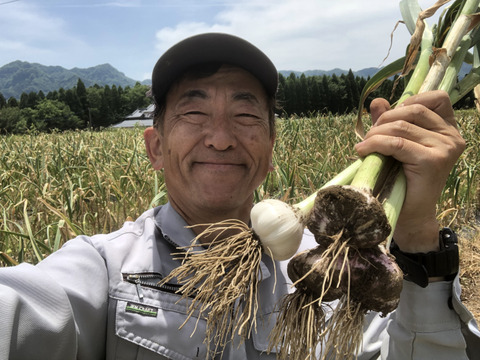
(194, 93)
(245, 95)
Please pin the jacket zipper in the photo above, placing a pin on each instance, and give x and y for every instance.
(151, 280)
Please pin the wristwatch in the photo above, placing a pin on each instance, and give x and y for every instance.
(418, 267)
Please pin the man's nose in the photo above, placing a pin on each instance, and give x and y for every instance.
(221, 133)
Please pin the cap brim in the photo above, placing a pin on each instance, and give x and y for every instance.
(208, 48)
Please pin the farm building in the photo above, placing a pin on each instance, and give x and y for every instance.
(140, 117)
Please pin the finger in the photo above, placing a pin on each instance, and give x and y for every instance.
(421, 116)
(377, 107)
(426, 131)
(415, 149)
(395, 146)
(437, 101)
(415, 123)
(424, 122)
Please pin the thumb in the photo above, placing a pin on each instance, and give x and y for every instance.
(377, 107)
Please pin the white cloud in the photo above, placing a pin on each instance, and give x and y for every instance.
(296, 34)
(168, 36)
(26, 32)
(118, 3)
(307, 34)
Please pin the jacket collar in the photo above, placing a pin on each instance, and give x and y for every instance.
(175, 230)
(173, 227)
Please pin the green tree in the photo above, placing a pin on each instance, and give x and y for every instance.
(352, 92)
(291, 96)
(40, 96)
(82, 97)
(33, 99)
(281, 92)
(23, 100)
(3, 101)
(106, 115)
(325, 88)
(117, 110)
(303, 95)
(94, 100)
(12, 120)
(12, 102)
(53, 114)
(52, 95)
(336, 94)
(135, 98)
(61, 95)
(73, 102)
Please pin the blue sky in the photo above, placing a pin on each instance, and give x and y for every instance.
(131, 34)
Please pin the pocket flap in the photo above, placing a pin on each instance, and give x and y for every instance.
(158, 327)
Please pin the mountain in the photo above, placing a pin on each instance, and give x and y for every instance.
(20, 76)
(365, 73)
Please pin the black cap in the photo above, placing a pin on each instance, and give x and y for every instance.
(208, 48)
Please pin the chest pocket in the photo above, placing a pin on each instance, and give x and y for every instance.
(150, 330)
(153, 322)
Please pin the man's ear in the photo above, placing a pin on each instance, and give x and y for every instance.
(153, 145)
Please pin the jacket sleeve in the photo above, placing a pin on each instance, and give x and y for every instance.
(431, 323)
(57, 309)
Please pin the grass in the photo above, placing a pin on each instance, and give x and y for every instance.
(56, 186)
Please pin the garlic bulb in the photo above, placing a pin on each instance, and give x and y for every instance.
(278, 227)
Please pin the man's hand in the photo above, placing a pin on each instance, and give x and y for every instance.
(423, 135)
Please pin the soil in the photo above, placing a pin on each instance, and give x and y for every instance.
(360, 276)
(355, 214)
(313, 262)
(379, 280)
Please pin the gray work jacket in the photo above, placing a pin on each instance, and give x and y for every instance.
(97, 298)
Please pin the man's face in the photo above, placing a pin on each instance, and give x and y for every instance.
(216, 147)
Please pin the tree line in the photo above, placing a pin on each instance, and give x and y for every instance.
(99, 107)
(76, 108)
(308, 95)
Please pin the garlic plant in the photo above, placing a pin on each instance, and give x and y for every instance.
(319, 273)
(226, 273)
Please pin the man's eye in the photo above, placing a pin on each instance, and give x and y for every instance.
(193, 117)
(248, 115)
(194, 113)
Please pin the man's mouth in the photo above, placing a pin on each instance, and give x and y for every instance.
(219, 165)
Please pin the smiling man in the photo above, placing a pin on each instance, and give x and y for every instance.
(214, 142)
(99, 297)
